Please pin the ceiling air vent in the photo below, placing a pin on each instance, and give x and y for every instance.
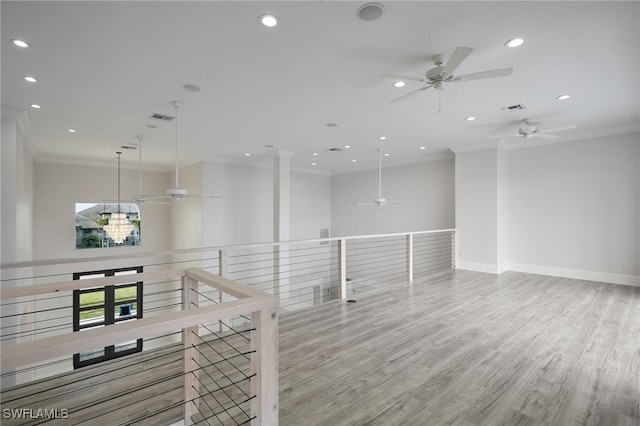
(162, 117)
(514, 107)
(334, 149)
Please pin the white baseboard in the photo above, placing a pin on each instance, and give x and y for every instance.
(478, 267)
(604, 277)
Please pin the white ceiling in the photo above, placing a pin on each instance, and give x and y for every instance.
(104, 67)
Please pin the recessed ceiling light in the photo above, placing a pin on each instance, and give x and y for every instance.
(347, 146)
(268, 20)
(386, 155)
(30, 79)
(247, 154)
(563, 97)
(71, 130)
(36, 106)
(313, 164)
(190, 87)
(470, 118)
(370, 11)
(382, 138)
(514, 42)
(399, 84)
(315, 153)
(20, 43)
(353, 161)
(423, 147)
(150, 126)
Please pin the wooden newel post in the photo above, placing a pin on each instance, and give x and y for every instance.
(264, 364)
(191, 354)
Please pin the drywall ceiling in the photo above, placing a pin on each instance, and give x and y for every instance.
(104, 67)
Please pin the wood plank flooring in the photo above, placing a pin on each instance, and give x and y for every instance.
(465, 348)
(456, 348)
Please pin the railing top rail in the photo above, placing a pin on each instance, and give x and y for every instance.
(20, 354)
(141, 255)
(32, 290)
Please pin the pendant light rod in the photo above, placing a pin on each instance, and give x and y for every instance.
(176, 105)
(140, 137)
(379, 172)
(119, 154)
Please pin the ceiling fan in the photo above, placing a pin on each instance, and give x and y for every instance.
(380, 201)
(141, 199)
(176, 193)
(529, 130)
(443, 74)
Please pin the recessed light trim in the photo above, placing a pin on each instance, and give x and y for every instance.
(387, 154)
(514, 42)
(563, 97)
(354, 161)
(470, 118)
(347, 146)
(268, 20)
(190, 87)
(313, 164)
(382, 138)
(399, 84)
(20, 43)
(315, 153)
(30, 78)
(35, 106)
(71, 130)
(247, 154)
(370, 11)
(423, 148)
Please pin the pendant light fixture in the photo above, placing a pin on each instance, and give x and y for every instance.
(119, 226)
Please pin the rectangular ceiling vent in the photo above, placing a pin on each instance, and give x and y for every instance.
(162, 117)
(514, 108)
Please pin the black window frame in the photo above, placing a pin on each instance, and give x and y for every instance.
(109, 318)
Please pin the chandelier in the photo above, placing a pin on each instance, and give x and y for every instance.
(119, 226)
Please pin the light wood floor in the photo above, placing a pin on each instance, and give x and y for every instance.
(458, 348)
(466, 348)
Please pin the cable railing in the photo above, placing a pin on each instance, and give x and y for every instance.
(155, 359)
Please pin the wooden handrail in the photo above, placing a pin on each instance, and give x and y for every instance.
(51, 262)
(19, 354)
(223, 284)
(32, 290)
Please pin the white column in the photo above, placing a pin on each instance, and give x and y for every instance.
(281, 222)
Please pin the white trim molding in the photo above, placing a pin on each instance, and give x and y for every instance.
(605, 277)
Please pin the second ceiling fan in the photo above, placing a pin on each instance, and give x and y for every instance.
(443, 74)
(176, 193)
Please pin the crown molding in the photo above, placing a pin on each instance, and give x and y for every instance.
(389, 164)
(98, 163)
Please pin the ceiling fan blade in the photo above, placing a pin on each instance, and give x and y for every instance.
(152, 197)
(201, 196)
(407, 95)
(456, 58)
(403, 77)
(545, 136)
(396, 202)
(502, 136)
(366, 204)
(560, 129)
(502, 72)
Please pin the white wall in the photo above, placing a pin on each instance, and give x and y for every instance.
(310, 205)
(244, 214)
(186, 214)
(476, 184)
(427, 187)
(574, 208)
(59, 186)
